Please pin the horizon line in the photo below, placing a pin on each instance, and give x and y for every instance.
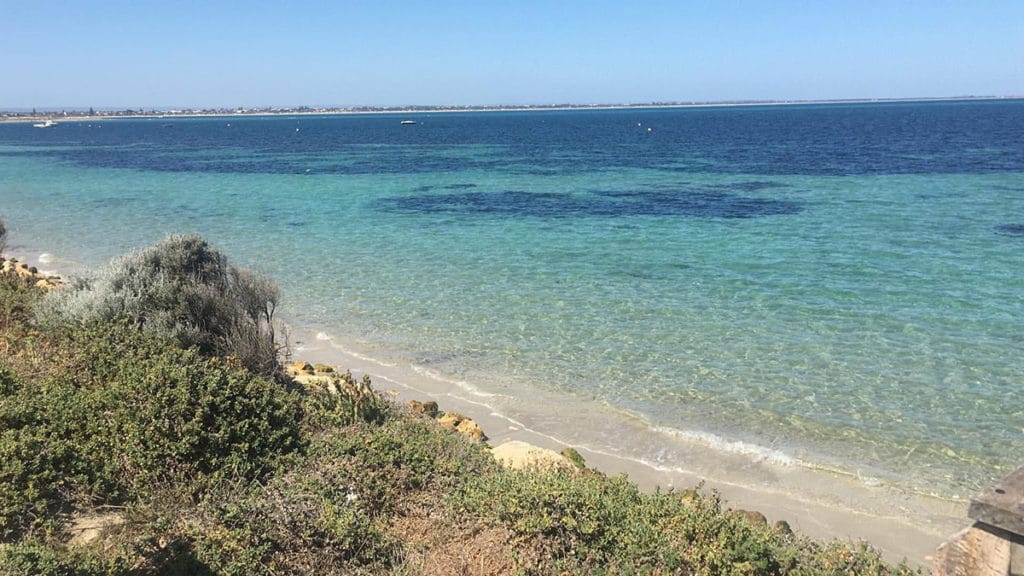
(39, 110)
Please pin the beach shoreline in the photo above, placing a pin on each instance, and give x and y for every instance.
(818, 503)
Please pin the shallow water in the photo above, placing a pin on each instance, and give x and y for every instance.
(833, 286)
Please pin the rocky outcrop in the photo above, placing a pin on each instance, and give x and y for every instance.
(29, 274)
(320, 374)
(752, 516)
(462, 424)
(87, 528)
(301, 367)
(782, 527)
(428, 408)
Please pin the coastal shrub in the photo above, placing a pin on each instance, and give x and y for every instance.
(17, 299)
(159, 411)
(127, 411)
(341, 400)
(571, 522)
(588, 523)
(36, 465)
(381, 463)
(42, 560)
(181, 288)
(309, 520)
(327, 512)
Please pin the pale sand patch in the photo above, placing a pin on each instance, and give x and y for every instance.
(86, 528)
(519, 455)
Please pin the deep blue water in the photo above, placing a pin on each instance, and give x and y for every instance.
(813, 140)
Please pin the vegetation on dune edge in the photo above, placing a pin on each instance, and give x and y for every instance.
(147, 428)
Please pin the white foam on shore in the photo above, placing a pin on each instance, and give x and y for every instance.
(45, 258)
(462, 384)
(474, 395)
(754, 451)
(324, 337)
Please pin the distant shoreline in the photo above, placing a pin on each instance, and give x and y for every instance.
(81, 116)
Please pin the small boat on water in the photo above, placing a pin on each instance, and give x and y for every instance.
(47, 124)
(407, 122)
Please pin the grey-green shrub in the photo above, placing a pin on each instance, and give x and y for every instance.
(42, 560)
(17, 299)
(181, 288)
(129, 411)
(587, 523)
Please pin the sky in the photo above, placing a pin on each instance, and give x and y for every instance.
(178, 54)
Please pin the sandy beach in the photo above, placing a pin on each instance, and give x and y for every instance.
(818, 503)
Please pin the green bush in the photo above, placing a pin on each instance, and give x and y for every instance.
(327, 512)
(300, 522)
(35, 462)
(385, 463)
(589, 523)
(17, 299)
(184, 289)
(129, 411)
(41, 560)
(341, 400)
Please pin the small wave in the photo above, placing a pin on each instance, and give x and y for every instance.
(466, 386)
(325, 337)
(46, 258)
(758, 453)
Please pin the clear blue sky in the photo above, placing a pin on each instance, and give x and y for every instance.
(306, 52)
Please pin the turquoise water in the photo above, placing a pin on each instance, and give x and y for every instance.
(839, 286)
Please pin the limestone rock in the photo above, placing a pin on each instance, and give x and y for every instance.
(302, 367)
(753, 516)
(462, 424)
(450, 420)
(472, 430)
(519, 455)
(323, 369)
(428, 408)
(783, 527)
